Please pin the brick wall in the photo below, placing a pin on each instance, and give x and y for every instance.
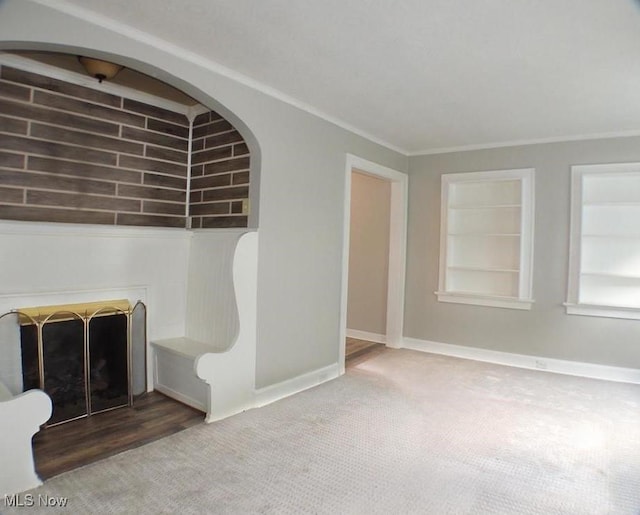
(219, 173)
(74, 154)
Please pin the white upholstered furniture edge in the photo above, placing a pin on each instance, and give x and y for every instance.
(20, 418)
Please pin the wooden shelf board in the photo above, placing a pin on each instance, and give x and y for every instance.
(484, 206)
(482, 269)
(485, 234)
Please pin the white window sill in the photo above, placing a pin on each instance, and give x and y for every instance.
(602, 311)
(484, 300)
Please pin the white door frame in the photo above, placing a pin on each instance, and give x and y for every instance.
(397, 249)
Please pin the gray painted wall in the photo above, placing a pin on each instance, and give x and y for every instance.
(368, 254)
(545, 330)
(299, 192)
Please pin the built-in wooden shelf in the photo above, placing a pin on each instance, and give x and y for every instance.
(486, 237)
(605, 240)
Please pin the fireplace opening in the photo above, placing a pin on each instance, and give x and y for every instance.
(89, 358)
(108, 362)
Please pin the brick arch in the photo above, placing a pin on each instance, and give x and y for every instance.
(77, 154)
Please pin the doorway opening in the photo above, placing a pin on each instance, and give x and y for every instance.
(384, 291)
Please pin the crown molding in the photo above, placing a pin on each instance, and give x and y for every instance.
(525, 142)
(197, 59)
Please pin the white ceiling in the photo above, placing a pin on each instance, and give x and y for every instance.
(422, 75)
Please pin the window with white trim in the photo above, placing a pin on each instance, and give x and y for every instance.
(486, 238)
(604, 262)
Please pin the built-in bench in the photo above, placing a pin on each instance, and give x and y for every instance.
(21, 416)
(212, 367)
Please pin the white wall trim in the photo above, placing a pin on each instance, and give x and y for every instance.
(397, 249)
(12, 227)
(16, 300)
(8, 227)
(602, 311)
(162, 44)
(525, 142)
(484, 300)
(30, 65)
(375, 169)
(367, 336)
(559, 366)
(275, 392)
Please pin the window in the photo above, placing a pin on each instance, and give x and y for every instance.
(604, 263)
(486, 238)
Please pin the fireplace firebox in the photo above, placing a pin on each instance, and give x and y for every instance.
(89, 358)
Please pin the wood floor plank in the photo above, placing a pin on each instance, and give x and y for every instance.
(358, 351)
(75, 444)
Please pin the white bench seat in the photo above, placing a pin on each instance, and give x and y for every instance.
(212, 367)
(186, 347)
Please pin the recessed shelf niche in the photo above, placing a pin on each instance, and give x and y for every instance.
(605, 241)
(486, 238)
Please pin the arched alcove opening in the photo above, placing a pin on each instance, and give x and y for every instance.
(123, 164)
(145, 149)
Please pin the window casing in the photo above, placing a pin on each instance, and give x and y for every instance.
(604, 257)
(486, 238)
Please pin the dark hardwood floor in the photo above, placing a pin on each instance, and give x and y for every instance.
(358, 351)
(74, 444)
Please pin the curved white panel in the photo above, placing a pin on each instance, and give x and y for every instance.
(20, 418)
(212, 314)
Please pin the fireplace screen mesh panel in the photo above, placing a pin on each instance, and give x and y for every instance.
(139, 349)
(88, 361)
(29, 357)
(64, 368)
(108, 375)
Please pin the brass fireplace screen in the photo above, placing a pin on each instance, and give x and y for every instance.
(89, 358)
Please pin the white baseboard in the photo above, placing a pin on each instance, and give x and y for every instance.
(365, 335)
(573, 368)
(275, 392)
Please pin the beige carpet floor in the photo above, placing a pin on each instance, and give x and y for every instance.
(403, 432)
